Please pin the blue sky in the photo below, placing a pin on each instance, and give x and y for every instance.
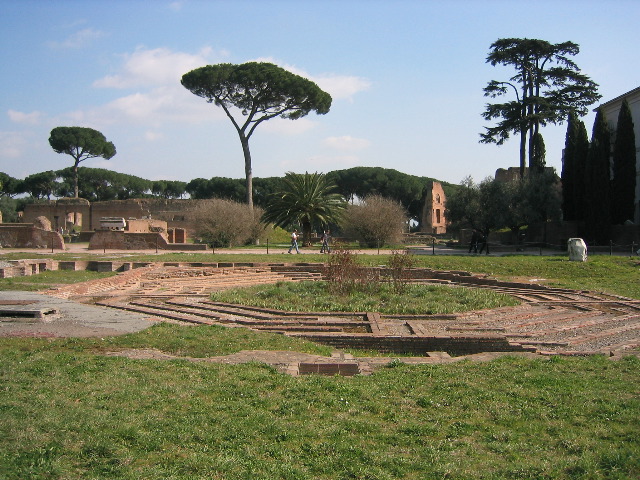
(406, 79)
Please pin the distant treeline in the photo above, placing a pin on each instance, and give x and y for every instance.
(98, 184)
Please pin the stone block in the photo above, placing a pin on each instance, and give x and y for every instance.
(577, 250)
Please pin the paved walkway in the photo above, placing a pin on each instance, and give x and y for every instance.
(35, 315)
(274, 249)
(82, 248)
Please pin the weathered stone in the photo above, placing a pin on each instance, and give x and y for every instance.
(577, 250)
(42, 223)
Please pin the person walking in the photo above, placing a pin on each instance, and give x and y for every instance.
(325, 243)
(484, 242)
(474, 241)
(294, 241)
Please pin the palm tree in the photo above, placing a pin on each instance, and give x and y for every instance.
(307, 199)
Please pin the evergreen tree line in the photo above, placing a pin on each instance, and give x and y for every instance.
(97, 184)
(599, 183)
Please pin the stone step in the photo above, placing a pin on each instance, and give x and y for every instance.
(155, 312)
(169, 308)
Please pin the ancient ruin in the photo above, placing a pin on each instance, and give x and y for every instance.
(434, 220)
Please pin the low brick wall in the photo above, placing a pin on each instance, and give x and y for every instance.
(419, 345)
(24, 268)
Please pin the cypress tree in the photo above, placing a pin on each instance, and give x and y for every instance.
(597, 182)
(573, 169)
(623, 185)
(539, 153)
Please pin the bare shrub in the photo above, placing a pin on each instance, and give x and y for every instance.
(344, 275)
(376, 222)
(398, 265)
(225, 223)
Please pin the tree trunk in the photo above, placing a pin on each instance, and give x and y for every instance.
(531, 149)
(523, 151)
(523, 128)
(75, 180)
(306, 233)
(247, 169)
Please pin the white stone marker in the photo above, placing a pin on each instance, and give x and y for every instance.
(577, 250)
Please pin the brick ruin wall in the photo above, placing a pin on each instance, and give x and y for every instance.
(63, 213)
(174, 212)
(19, 235)
(434, 220)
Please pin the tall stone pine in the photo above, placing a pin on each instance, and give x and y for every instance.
(547, 85)
(576, 149)
(623, 184)
(598, 183)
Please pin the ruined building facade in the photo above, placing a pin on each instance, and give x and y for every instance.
(433, 213)
(67, 213)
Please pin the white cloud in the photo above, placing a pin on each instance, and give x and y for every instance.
(152, 136)
(160, 99)
(338, 86)
(176, 6)
(32, 118)
(158, 66)
(347, 142)
(342, 87)
(12, 144)
(151, 109)
(80, 39)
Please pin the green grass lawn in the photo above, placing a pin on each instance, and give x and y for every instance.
(67, 412)
(315, 296)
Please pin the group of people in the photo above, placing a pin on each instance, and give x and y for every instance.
(478, 239)
(323, 249)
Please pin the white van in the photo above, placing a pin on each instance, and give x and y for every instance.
(113, 223)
